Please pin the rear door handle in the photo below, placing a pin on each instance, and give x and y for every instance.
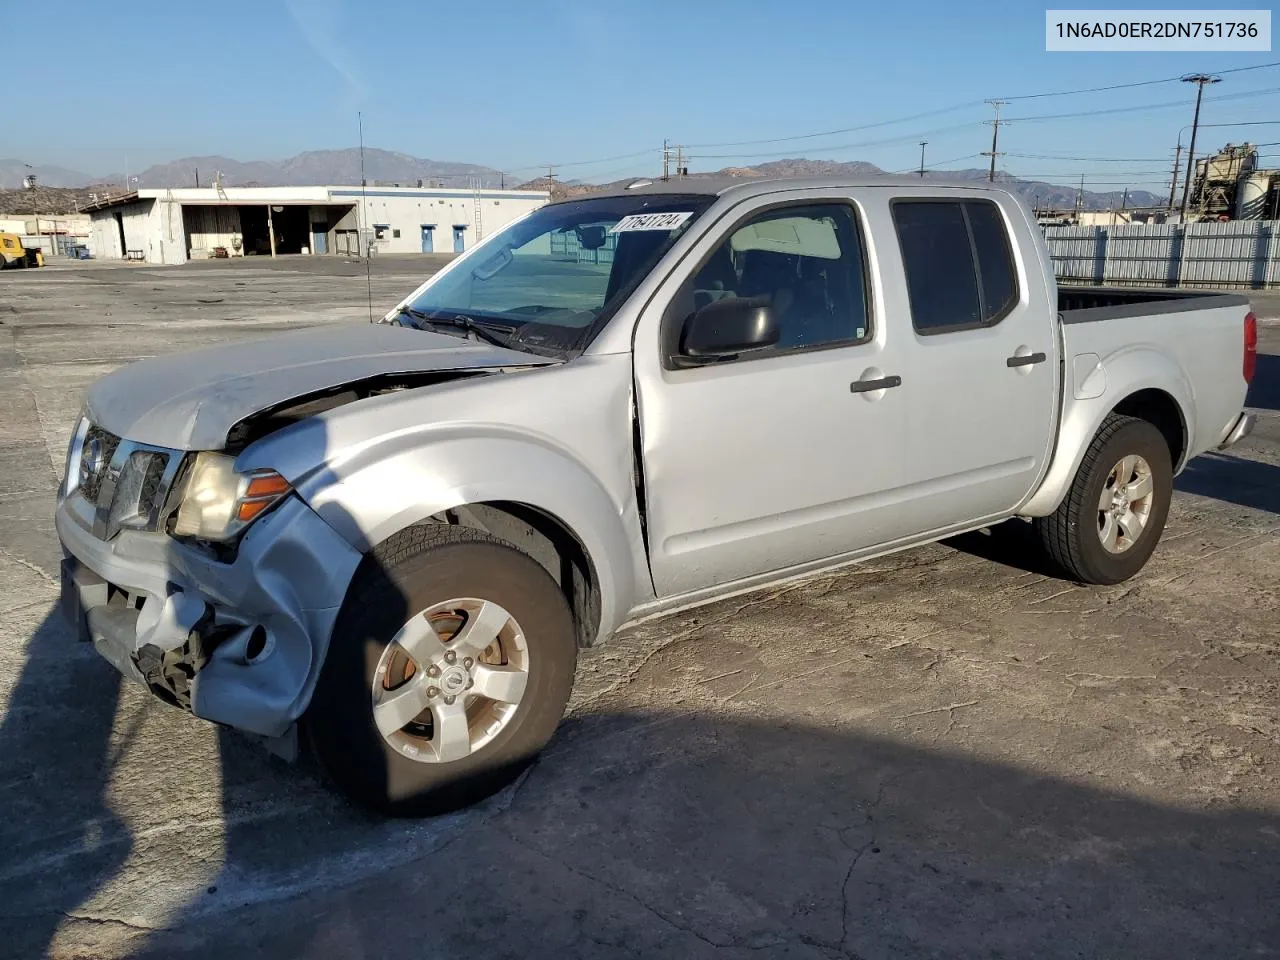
(866, 386)
(1030, 358)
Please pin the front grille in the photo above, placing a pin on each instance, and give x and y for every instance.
(127, 483)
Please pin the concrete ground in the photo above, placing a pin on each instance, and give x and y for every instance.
(943, 753)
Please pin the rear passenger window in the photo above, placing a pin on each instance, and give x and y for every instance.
(942, 280)
(958, 263)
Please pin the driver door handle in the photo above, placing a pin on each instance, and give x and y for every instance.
(1030, 358)
(866, 386)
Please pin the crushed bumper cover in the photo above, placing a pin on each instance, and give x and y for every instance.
(238, 643)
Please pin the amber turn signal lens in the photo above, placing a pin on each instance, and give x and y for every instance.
(265, 485)
(251, 508)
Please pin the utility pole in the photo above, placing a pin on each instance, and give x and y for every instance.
(666, 160)
(922, 146)
(681, 169)
(1080, 198)
(1199, 79)
(995, 138)
(1173, 181)
(551, 182)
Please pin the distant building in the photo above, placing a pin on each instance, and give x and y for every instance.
(1103, 218)
(55, 234)
(193, 223)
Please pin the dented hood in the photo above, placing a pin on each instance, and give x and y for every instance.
(190, 400)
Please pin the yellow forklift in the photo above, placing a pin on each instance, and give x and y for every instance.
(14, 254)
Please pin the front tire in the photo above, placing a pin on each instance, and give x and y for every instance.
(1108, 525)
(448, 671)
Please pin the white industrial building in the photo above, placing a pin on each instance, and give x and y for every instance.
(195, 223)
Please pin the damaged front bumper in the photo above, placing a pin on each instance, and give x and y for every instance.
(238, 643)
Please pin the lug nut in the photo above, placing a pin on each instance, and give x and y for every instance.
(450, 656)
(433, 691)
(433, 671)
(449, 700)
(467, 663)
(470, 683)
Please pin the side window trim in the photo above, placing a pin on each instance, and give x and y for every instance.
(964, 203)
(671, 324)
(977, 263)
(994, 319)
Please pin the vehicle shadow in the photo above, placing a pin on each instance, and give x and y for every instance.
(642, 832)
(1264, 391)
(1231, 479)
(60, 839)
(1012, 544)
(696, 834)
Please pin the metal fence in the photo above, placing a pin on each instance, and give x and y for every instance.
(1239, 254)
(565, 246)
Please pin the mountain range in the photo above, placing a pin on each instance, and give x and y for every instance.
(315, 167)
(343, 167)
(1036, 192)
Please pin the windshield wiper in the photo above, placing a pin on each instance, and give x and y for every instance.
(483, 331)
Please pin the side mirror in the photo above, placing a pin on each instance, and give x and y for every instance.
(728, 327)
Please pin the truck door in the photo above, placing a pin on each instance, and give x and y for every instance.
(783, 456)
(981, 375)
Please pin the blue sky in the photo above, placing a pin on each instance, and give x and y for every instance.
(517, 85)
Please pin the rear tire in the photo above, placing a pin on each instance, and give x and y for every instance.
(454, 578)
(1108, 525)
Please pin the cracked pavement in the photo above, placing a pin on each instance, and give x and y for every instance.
(942, 753)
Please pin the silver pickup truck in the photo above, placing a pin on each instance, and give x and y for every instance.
(389, 541)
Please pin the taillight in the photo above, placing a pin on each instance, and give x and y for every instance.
(1250, 346)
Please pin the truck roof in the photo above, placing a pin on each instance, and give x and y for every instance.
(757, 186)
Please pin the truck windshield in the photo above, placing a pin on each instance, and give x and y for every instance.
(550, 281)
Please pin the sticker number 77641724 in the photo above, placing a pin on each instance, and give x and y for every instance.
(650, 221)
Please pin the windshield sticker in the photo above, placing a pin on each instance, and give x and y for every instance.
(650, 221)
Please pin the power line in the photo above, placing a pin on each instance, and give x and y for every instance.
(961, 106)
(935, 167)
(933, 113)
(943, 163)
(832, 133)
(1052, 156)
(844, 146)
(1144, 106)
(1139, 83)
(587, 163)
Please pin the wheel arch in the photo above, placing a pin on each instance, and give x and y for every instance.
(555, 508)
(551, 542)
(1141, 383)
(1158, 408)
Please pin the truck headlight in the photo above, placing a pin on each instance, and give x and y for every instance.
(218, 503)
(75, 449)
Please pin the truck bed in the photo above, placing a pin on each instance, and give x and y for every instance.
(1192, 342)
(1091, 304)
